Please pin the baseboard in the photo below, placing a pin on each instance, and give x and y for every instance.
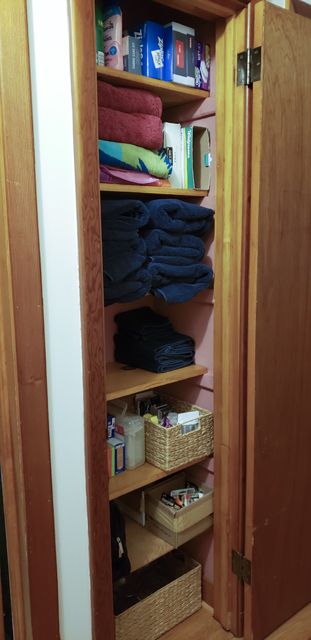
(208, 592)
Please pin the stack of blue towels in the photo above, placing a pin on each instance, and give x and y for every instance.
(154, 247)
(147, 340)
(124, 250)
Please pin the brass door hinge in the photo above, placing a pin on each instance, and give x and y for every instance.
(241, 567)
(248, 67)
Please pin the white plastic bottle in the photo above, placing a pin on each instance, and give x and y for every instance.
(113, 37)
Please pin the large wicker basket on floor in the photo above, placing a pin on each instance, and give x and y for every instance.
(169, 449)
(163, 610)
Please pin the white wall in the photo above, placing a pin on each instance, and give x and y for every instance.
(55, 174)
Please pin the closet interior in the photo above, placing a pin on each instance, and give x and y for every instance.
(191, 384)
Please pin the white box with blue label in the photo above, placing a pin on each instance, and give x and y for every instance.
(172, 146)
(179, 63)
(151, 36)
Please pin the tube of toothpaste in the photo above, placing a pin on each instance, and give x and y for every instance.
(113, 37)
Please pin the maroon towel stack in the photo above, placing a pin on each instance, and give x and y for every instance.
(129, 115)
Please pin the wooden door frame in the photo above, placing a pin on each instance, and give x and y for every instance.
(233, 105)
(24, 425)
(84, 79)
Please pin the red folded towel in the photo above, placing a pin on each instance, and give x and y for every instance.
(128, 100)
(133, 128)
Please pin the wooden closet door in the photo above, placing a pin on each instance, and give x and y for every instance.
(278, 477)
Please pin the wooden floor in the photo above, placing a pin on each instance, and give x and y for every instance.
(202, 626)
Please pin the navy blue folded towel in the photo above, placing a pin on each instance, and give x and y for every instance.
(179, 217)
(147, 340)
(142, 322)
(170, 248)
(123, 215)
(179, 288)
(131, 288)
(121, 261)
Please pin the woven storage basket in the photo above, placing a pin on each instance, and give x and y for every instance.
(163, 610)
(169, 449)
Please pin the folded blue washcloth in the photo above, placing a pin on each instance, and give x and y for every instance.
(123, 215)
(171, 248)
(142, 322)
(179, 217)
(151, 365)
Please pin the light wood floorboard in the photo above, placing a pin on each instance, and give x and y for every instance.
(202, 626)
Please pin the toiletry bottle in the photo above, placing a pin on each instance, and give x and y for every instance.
(113, 37)
(100, 55)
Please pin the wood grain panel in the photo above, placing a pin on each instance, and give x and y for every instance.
(278, 525)
(92, 310)
(206, 9)
(25, 436)
(230, 320)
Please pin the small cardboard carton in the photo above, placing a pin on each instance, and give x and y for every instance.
(118, 455)
(196, 158)
(178, 526)
(172, 146)
(131, 54)
(151, 37)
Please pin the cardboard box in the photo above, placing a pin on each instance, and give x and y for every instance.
(172, 147)
(196, 157)
(186, 521)
(131, 55)
(133, 505)
(110, 425)
(202, 66)
(179, 54)
(151, 36)
(111, 460)
(177, 538)
(118, 455)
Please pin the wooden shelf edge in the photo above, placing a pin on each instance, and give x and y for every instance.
(170, 92)
(130, 480)
(128, 188)
(123, 381)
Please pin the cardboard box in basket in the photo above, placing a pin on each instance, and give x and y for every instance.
(177, 527)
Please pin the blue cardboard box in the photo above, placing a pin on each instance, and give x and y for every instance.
(131, 55)
(151, 36)
(179, 54)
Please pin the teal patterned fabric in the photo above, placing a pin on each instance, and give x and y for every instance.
(128, 156)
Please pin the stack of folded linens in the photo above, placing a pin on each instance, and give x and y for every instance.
(130, 134)
(175, 250)
(147, 340)
(124, 251)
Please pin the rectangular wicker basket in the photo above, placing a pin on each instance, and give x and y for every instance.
(169, 449)
(163, 609)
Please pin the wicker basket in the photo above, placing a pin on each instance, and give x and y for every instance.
(169, 449)
(163, 610)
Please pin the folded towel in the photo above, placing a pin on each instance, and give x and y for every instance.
(128, 100)
(133, 128)
(133, 360)
(142, 322)
(179, 217)
(123, 176)
(173, 249)
(134, 287)
(120, 263)
(129, 156)
(176, 344)
(123, 215)
(176, 290)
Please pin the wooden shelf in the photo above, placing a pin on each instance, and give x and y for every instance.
(160, 191)
(142, 545)
(123, 381)
(171, 94)
(130, 480)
